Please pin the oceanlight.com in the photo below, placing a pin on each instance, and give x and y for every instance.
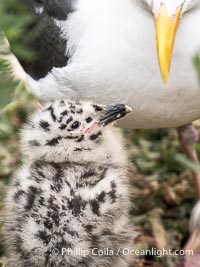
(121, 251)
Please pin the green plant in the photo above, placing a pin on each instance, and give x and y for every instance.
(13, 20)
(197, 65)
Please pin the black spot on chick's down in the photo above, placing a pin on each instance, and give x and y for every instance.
(64, 113)
(95, 136)
(70, 137)
(57, 178)
(53, 142)
(67, 229)
(101, 196)
(77, 149)
(41, 201)
(34, 143)
(54, 215)
(72, 192)
(69, 120)
(62, 103)
(48, 224)
(82, 263)
(18, 244)
(44, 125)
(79, 111)
(18, 194)
(53, 116)
(95, 206)
(72, 106)
(89, 228)
(95, 241)
(42, 235)
(88, 120)
(31, 195)
(89, 173)
(76, 205)
(63, 126)
(41, 174)
(81, 138)
(103, 174)
(113, 192)
(107, 232)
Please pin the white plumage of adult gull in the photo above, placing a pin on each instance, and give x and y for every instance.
(105, 50)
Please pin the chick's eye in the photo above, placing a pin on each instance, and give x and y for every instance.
(75, 125)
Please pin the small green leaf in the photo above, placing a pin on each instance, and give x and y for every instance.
(182, 159)
(197, 65)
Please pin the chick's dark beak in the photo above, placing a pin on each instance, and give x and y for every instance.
(111, 113)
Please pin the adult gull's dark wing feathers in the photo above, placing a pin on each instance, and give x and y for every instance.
(47, 42)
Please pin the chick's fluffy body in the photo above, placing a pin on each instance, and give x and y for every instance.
(71, 193)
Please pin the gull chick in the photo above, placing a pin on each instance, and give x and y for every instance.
(69, 202)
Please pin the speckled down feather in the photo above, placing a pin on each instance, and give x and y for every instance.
(69, 201)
